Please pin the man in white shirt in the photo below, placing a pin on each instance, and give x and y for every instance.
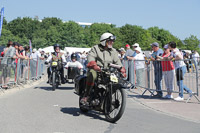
(139, 63)
(180, 70)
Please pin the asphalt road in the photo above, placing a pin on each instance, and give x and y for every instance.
(39, 110)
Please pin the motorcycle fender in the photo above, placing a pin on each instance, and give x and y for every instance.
(80, 83)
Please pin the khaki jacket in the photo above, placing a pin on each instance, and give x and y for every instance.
(103, 57)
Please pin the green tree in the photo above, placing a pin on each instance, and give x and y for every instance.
(6, 35)
(23, 27)
(72, 34)
(192, 43)
(52, 36)
(163, 36)
(136, 34)
(39, 43)
(48, 22)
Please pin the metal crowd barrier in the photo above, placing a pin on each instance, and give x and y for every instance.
(148, 77)
(19, 71)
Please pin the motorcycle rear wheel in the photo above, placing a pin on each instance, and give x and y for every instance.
(115, 105)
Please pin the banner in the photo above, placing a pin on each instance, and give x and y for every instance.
(30, 45)
(1, 21)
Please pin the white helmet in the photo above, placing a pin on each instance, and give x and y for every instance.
(106, 36)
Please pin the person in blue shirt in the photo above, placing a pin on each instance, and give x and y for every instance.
(136, 45)
(157, 68)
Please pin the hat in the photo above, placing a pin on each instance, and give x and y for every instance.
(122, 49)
(166, 46)
(34, 50)
(127, 46)
(155, 44)
(135, 45)
(138, 49)
(40, 50)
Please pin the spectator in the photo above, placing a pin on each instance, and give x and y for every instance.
(27, 52)
(26, 62)
(136, 45)
(21, 52)
(195, 57)
(33, 63)
(186, 57)
(41, 54)
(34, 55)
(139, 65)
(122, 54)
(128, 64)
(83, 57)
(129, 52)
(68, 57)
(157, 68)
(16, 46)
(9, 55)
(180, 70)
(168, 71)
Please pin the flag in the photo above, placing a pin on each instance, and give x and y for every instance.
(30, 45)
(1, 21)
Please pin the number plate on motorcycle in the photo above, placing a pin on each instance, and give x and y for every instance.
(113, 78)
(54, 63)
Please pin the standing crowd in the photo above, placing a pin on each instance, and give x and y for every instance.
(168, 64)
(16, 60)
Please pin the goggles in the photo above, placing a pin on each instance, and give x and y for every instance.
(110, 38)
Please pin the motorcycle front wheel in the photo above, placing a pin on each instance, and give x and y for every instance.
(115, 105)
(54, 85)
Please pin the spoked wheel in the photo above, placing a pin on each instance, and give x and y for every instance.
(54, 85)
(115, 105)
(81, 106)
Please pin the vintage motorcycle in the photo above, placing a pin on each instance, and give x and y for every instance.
(55, 78)
(107, 96)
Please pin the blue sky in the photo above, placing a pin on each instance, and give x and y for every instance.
(180, 17)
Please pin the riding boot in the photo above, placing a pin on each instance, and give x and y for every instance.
(91, 77)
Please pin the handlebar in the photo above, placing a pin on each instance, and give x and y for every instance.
(115, 66)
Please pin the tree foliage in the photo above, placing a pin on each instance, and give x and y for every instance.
(53, 30)
(192, 43)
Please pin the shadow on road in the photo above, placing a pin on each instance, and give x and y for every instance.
(138, 96)
(144, 97)
(50, 88)
(76, 112)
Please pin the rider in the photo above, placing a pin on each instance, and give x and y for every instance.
(100, 56)
(74, 62)
(60, 58)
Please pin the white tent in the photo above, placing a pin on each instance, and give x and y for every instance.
(74, 49)
(188, 51)
(50, 49)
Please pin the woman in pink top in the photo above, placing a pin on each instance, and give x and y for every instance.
(168, 72)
